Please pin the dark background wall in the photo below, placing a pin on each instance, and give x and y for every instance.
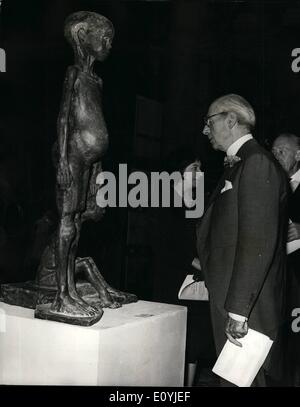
(178, 56)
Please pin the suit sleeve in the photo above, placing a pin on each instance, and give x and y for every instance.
(258, 228)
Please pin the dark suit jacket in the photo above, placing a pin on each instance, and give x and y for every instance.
(294, 258)
(294, 205)
(241, 240)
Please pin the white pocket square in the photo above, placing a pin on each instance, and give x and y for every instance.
(228, 185)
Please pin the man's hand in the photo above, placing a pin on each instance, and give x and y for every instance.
(235, 330)
(293, 231)
(197, 276)
(184, 187)
(64, 177)
(196, 263)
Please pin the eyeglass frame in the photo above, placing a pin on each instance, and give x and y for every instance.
(206, 118)
(281, 150)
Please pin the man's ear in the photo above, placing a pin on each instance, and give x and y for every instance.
(297, 155)
(232, 119)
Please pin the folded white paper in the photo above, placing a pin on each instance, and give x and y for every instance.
(240, 365)
(292, 246)
(193, 290)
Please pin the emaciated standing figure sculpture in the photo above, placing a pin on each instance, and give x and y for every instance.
(82, 142)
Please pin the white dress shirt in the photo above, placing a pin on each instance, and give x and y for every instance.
(234, 148)
(295, 180)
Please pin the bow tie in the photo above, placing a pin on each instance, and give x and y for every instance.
(231, 160)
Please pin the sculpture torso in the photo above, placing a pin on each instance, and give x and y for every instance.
(88, 137)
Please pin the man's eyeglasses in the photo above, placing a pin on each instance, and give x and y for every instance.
(279, 151)
(207, 118)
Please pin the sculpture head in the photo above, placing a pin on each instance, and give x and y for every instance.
(89, 34)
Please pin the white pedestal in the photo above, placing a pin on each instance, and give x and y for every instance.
(140, 344)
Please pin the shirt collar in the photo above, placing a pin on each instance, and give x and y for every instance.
(296, 177)
(234, 148)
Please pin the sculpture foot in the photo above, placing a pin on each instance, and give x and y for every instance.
(109, 297)
(111, 305)
(109, 302)
(79, 302)
(122, 297)
(102, 300)
(67, 310)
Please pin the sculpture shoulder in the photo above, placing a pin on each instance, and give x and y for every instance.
(71, 73)
(74, 72)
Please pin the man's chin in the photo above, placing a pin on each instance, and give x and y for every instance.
(214, 145)
(284, 166)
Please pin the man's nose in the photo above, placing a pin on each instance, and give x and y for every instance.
(275, 153)
(206, 130)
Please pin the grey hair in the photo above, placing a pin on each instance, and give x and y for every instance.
(87, 20)
(240, 106)
(290, 136)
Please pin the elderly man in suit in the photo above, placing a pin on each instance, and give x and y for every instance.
(242, 235)
(286, 148)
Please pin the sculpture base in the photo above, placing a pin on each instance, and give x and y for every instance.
(26, 294)
(139, 344)
(31, 295)
(45, 312)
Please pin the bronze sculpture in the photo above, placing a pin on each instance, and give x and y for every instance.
(81, 143)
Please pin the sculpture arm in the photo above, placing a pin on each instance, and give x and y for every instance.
(96, 170)
(63, 118)
(63, 171)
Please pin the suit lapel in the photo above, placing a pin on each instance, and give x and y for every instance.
(218, 188)
(245, 149)
(296, 193)
(242, 153)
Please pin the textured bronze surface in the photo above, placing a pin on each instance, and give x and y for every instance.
(81, 143)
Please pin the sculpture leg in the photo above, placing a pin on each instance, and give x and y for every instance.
(117, 296)
(68, 306)
(66, 301)
(86, 266)
(71, 268)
